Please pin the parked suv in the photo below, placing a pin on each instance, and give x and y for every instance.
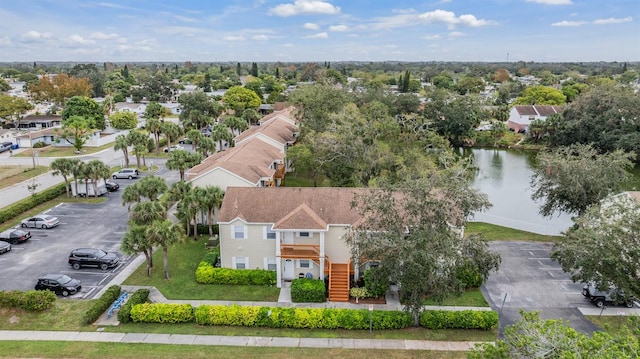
(60, 284)
(92, 257)
(599, 298)
(129, 173)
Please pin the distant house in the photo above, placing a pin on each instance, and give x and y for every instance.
(521, 116)
(174, 107)
(137, 108)
(37, 122)
(46, 136)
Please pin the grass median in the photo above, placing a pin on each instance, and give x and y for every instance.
(12, 175)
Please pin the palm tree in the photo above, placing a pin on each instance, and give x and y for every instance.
(164, 233)
(78, 172)
(195, 136)
(177, 191)
(97, 170)
(207, 146)
(136, 241)
(130, 195)
(139, 141)
(122, 143)
(210, 199)
(152, 187)
(155, 127)
(171, 132)
(147, 212)
(236, 124)
(182, 160)
(64, 167)
(221, 133)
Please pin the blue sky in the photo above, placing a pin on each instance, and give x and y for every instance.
(320, 30)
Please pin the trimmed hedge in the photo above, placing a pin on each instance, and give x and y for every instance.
(300, 318)
(30, 300)
(210, 258)
(16, 209)
(162, 313)
(139, 297)
(208, 274)
(376, 283)
(102, 304)
(307, 290)
(464, 319)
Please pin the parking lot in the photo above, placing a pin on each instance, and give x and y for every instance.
(81, 226)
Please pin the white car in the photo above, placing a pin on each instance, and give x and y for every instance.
(43, 221)
(173, 148)
(129, 173)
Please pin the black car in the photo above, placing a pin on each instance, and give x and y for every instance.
(61, 284)
(111, 186)
(15, 236)
(4, 247)
(92, 257)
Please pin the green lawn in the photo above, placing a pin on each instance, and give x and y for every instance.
(470, 298)
(10, 175)
(58, 151)
(295, 179)
(614, 324)
(498, 233)
(183, 261)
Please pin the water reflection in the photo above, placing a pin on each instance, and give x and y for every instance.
(504, 176)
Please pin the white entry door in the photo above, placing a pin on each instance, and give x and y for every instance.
(288, 269)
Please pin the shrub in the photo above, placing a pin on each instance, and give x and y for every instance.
(376, 282)
(470, 276)
(307, 290)
(39, 145)
(211, 257)
(101, 304)
(207, 274)
(301, 318)
(31, 300)
(162, 313)
(359, 292)
(26, 204)
(139, 297)
(465, 319)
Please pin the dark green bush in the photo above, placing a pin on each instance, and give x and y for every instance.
(102, 304)
(470, 275)
(30, 300)
(139, 297)
(211, 257)
(162, 313)
(307, 290)
(207, 274)
(465, 319)
(376, 282)
(26, 204)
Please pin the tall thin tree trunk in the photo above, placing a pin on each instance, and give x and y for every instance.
(209, 220)
(148, 258)
(166, 262)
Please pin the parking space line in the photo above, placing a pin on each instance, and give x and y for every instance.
(79, 272)
(88, 293)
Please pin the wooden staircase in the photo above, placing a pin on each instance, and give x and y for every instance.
(339, 282)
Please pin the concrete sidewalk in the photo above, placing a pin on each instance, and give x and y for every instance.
(239, 341)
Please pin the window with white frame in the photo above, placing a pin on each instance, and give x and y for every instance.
(304, 234)
(269, 233)
(240, 262)
(238, 232)
(305, 263)
(270, 263)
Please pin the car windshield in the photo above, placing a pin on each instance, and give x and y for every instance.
(100, 253)
(64, 279)
(47, 218)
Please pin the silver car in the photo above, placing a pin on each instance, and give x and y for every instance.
(43, 221)
(129, 173)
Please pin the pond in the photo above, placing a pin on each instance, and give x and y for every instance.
(504, 175)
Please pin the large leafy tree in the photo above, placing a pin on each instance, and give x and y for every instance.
(164, 233)
(123, 120)
(198, 110)
(570, 179)
(85, 107)
(604, 247)
(60, 88)
(532, 337)
(182, 161)
(541, 95)
(13, 108)
(76, 130)
(239, 99)
(456, 118)
(410, 229)
(64, 167)
(314, 104)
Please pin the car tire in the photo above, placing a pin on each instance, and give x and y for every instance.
(44, 226)
(23, 225)
(629, 304)
(114, 176)
(76, 266)
(104, 266)
(130, 177)
(599, 302)
(65, 293)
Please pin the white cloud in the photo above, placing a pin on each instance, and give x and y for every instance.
(552, 2)
(77, 39)
(185, 18)
(320, 35)
(34, 36)
(403, 11)
(456, 34)
(612, 20)
(311, 26)
(102, 36)
(568, 23)
(260, 37)
(300, 7)
(432, 37)
(339, 28)
(234, 38)
(5, 41)
(288, 45)
(449, 18)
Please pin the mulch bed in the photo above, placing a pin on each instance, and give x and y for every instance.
(379, 300)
